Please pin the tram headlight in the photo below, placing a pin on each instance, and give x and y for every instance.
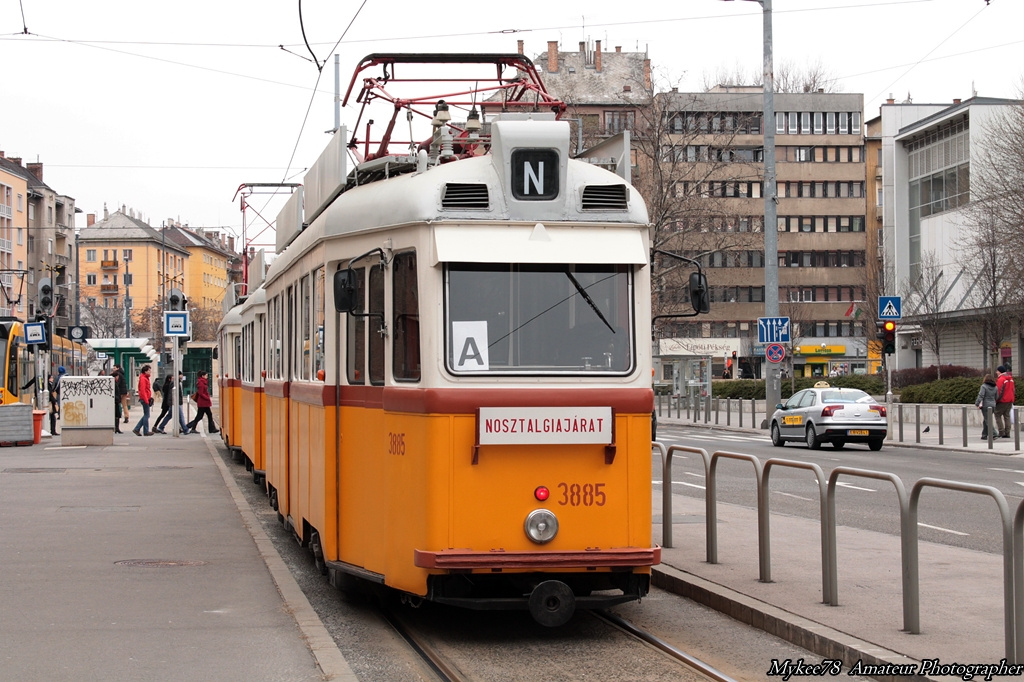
(541, 526)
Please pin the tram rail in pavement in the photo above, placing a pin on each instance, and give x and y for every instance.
(962, 597)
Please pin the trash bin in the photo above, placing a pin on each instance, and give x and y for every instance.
(37, 425)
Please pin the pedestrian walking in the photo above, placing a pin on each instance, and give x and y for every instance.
(120, 387)
(203, 403)
(55, 398)
(1004, 400)
(146, 401)
(986, 402)
(164, 388)
(168, 401)
(121, 390)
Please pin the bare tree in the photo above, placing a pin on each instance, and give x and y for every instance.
(927, 304)
(993, 294)
(104, 323)
(788, 77)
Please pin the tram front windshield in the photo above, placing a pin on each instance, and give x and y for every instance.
(539, 319)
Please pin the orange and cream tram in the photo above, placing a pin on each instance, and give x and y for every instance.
(229, 342)
(456, 341)
(18, 361)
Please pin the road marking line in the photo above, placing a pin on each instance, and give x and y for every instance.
(805, 499)
(854, 487)
(944, 530)
(690, 473)
(1010, 471)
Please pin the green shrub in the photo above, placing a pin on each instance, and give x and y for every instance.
(754, 388)
(956, 391)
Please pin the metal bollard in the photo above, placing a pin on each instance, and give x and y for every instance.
(963, 422)
(728, 411)
(940, 424)
(917, 422)
(899, 413)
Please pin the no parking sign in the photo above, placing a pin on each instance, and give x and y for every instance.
(774, 352)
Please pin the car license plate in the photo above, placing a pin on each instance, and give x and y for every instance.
(857, 432)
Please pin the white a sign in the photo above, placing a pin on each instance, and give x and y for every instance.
(545, 425)
(469, 346)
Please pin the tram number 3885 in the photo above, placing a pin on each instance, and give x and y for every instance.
(585, 494)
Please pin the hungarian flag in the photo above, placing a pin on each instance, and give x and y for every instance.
(853, 311)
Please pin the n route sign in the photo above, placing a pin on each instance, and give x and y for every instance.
(773, 330)
(890, 307)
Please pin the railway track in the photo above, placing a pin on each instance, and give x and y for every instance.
(664, 647)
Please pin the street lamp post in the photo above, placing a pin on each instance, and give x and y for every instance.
(127, 301)
(773, 381)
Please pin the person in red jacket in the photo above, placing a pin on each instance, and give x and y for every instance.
(203, 402)
(1004, 401)
(146, 400)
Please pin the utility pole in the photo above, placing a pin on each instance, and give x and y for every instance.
(127, 301)
(773, 380)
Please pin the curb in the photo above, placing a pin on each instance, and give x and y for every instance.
(811, 635)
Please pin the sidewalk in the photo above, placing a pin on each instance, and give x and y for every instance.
(961, 591)
(141, 561)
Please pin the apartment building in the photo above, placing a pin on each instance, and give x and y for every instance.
(716, 150)
(38, 241)
(927, 153)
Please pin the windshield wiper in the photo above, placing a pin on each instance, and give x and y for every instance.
(590, 301)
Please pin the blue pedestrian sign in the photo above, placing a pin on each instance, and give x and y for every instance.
(890, 307)
(773, 330)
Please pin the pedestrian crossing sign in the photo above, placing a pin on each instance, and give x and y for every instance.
(890, 307)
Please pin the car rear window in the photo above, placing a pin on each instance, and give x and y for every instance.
(852, 395)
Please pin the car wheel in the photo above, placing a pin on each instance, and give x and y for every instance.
(839, 444)
(777, 435)
(812, 438)
(875, 444)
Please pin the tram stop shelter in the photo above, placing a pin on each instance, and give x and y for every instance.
(123, 350)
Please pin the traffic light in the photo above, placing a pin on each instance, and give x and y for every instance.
(46, 296)
(888, 337)
(177, 299)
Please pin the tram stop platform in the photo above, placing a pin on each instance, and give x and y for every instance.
(142, 561)
(963, 606)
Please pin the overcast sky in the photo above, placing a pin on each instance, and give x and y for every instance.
(168, 107)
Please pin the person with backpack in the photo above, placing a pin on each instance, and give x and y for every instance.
(55, 398)
(1004, 401)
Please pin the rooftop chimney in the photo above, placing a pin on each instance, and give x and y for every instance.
(597, 56)
(647, 74)
(105, 213)
(90, 219)
(956, 101)
(35, 169)
(520, 44)
(890, 101)
(583, 48)
(618, 48)
(552, 56)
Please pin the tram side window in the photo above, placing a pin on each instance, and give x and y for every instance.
(238, 357)
(376, 341)
(318, 321)
(305, 361)
(406, 357)
(355, 349)
(12, 370)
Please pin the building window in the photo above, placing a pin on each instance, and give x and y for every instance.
(830, 123)
(805, 123)
(90, 280)
(127, 254)
(780, 123)
(617, 121)
(817, 123)
(90, 255)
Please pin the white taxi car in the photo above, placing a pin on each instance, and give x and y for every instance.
(829, 414)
